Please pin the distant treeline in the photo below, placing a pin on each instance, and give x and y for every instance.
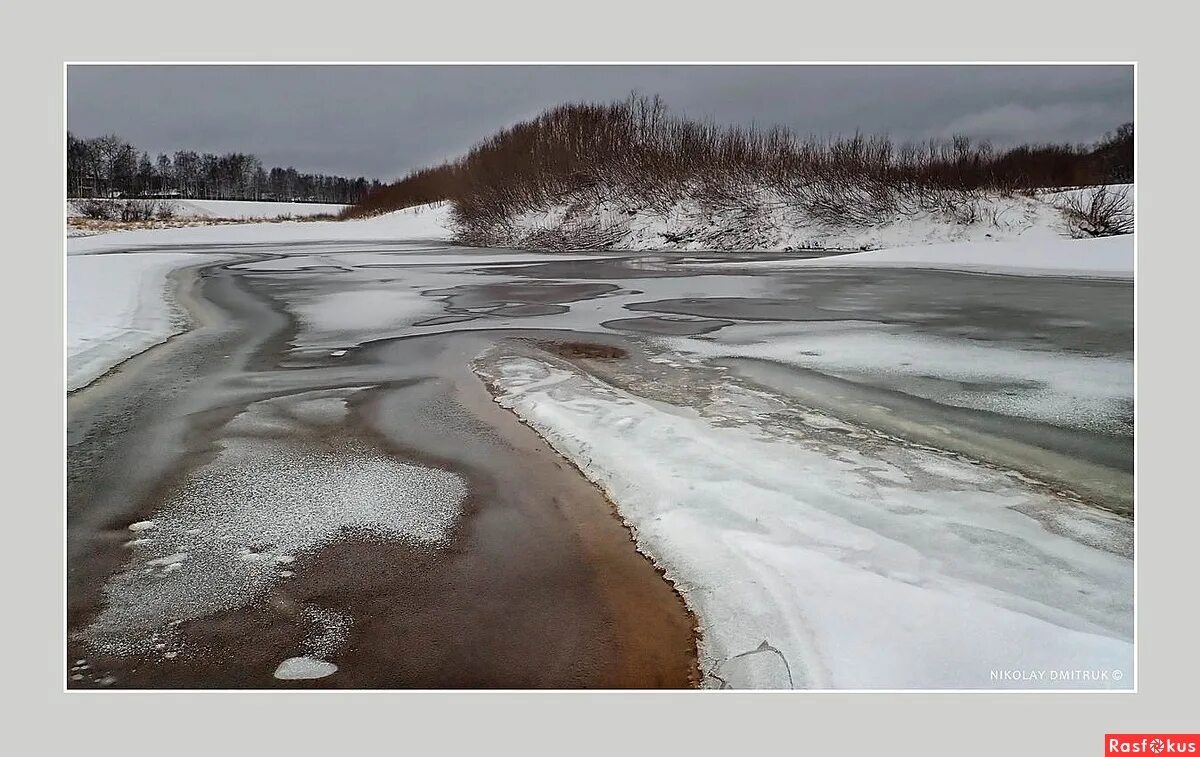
(632, 153)
(109, 166)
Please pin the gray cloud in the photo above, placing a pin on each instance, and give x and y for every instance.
(381, 121)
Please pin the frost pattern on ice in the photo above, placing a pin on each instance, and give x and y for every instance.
(220, 540)
(865, 566)
(328, 631)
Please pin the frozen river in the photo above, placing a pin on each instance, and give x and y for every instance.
(396, 465)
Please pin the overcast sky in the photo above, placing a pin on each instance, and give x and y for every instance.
(381, 121)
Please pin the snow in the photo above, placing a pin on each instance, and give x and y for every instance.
(235, 208)
(328, 630)
(425, 222)
(866, 563)
(1106, 257)
(118, 306)
(303, 668)
(174, 559)
(1084, 194)
(251, 209)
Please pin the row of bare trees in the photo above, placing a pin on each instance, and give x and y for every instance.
(108, 166)
(634, 154)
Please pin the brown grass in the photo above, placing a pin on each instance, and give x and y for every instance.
(87, 226)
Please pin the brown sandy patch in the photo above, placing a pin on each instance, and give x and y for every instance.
(586, 350)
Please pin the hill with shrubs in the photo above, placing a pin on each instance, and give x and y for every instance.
(628, 175)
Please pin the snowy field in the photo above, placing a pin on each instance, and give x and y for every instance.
(242, 209)
(425, 222)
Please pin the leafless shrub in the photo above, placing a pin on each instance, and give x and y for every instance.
(418, 188)
(136, 210)
(1101, 212)
(100, 210)
(127, 210)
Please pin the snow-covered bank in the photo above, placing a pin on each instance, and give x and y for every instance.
(245, 209)
(762, 220)
(424, 222)
(118, 306)
(839, 560)
(1106, 257)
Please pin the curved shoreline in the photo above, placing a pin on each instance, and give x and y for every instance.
(178, 294)
(594, 611)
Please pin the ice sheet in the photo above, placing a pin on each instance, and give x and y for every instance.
(915, 571)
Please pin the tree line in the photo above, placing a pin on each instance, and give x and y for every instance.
(108, 166)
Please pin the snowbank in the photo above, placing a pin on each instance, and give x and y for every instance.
(817, 559)
(424, 222)
(118, 306)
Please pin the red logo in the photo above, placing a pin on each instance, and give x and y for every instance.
(1151, 743)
